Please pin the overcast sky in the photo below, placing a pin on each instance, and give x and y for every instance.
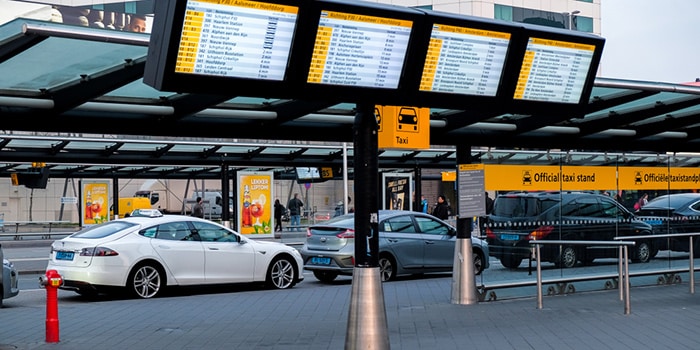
(651, 40)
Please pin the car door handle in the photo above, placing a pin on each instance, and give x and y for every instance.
(392, 240)
(213, 248)
(429, 242)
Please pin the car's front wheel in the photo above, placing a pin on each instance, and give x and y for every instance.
(511, 262)
(642, 252)
(146, 281)
(325, 276)
(567, 258)
(387, 268)
(281, 274)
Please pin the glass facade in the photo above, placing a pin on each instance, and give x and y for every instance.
(543, 18)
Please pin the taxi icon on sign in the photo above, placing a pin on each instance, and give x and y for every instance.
(527, 178)
(407, 120)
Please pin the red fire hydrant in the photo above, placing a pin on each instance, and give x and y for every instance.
(51, 281)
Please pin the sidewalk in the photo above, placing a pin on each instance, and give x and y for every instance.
(314, 316)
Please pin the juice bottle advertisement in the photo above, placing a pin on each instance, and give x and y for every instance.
(95, 200)
(255, 203)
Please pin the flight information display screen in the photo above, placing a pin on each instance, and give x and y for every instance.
(359, 50)
(554, 71)
(464, 60)
(236, 38)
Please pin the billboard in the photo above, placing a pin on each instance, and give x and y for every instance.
(94, 202)
(255, 193)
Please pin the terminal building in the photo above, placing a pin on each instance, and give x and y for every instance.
(21, 203)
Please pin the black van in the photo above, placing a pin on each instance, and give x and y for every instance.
(519, 217)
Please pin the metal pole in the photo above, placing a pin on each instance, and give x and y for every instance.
(463, 282)
(367, 325)
(345, 178)
(627, 284)
(619, 273)
(539, 277)
(692, 266)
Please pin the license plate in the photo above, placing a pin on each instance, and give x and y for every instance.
(654, 222)
(64, 255)
(320, 261)
(510, 237)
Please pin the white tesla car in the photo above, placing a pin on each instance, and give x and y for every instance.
(146, 254)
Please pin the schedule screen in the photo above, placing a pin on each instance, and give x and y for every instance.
(554, 71)
(236, 38)
(359, 50)
(464, 60)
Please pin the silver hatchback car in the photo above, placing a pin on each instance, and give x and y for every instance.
(8, 279)
(409, 243)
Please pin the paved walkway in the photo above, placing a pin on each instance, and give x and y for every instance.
(419, 314)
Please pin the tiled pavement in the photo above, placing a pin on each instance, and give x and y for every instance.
(419, 316)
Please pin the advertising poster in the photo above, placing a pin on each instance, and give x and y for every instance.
(95, 202)
(255, 203)
(397, 192)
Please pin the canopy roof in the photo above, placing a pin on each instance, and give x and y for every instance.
(73, 85)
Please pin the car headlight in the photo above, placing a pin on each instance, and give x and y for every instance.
(7, 263)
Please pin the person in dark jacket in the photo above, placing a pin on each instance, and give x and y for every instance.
(279, 211)
(442, 209)
(198, 210)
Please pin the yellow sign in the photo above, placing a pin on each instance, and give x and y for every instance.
(548, 178)
(326, 173)
(641, 178)
(15, 179)
(449, 176)
(403, 127)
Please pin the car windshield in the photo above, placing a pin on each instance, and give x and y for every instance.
(521, 207)
(103, 230)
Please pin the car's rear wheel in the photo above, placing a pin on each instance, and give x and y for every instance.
(281, 274)
(145, 281)
(567, 258)
(325, 276)
(642, 252)
(511, 262)
(478, 262)
(387, 268)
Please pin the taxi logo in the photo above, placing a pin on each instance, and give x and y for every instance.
(527, 178)
(638, 178)
(407, 120)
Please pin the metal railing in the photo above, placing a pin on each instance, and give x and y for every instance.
(691, 259)
(623, 264)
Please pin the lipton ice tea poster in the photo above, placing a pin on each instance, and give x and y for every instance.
(255, 203)
(95, 202)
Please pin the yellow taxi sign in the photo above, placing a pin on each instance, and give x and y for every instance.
(403, 127)
(15, 179)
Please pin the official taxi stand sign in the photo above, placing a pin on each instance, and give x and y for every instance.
(403, 127)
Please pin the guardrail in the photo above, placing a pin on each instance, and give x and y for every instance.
(623, 259)
(18, 236)
(691, 259)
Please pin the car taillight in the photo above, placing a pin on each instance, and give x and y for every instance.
(346, 234)
(541, 232)
(489, 233)
(98, 251)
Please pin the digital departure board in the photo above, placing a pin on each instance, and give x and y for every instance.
(239, 38)
(554, 71)
(359, 50)
(464, 60)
